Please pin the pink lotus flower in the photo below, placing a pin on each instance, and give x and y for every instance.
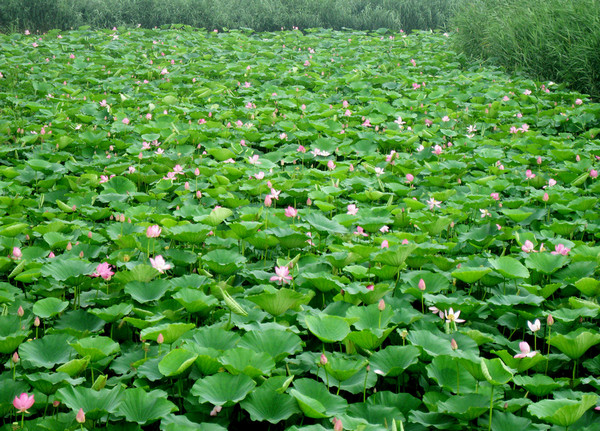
(331, 165)
(495, 196)
(23, 402)
(254, 160)
(360, 231)
(410, 178)
(561, 249)
(534, 326)
(16, 253)
(352, 209)
(282, 275)
(437, 150)
(525, 351)
(529, 175)
(291, 212)
(578, 101)
(268, 201)
(594, 173)
(125, 121)
(103, 270)
(385, 244)
(384, 229)
(159, 264)
(528, 247)
(153, 231)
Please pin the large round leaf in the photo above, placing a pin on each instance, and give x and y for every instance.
(576, 343)
(144, 407)
(224, 262)
(176, 362)
(94, 403)
(96, 347)
(266, 404)
(278, 302)
(48, 307)
(277, 343)
(223, 389)
(46, 352)
(510, 267)
(316, 401)
(393, 360)
(563, 412)
(170, 331)
(328, 329)
(245, 361)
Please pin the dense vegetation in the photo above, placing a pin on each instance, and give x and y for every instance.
(260, 15)
(292, 231)
(556, 40)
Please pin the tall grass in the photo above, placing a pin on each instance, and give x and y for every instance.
(556, 40)
(260, 15)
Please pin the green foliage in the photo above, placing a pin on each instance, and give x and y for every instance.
(556, 40)
(260, 15)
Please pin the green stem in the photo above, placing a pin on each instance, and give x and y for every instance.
(491, 407)
(457, 379)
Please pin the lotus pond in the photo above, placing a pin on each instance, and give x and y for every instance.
(330, 230)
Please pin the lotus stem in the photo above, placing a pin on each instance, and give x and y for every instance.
(491, 407)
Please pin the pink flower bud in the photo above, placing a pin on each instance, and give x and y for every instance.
(89, 234)
(422, 284)
(15, 357)
(36, 321)
(381, 305)
(20, 311)
(80, 417)
(453, 344)
(323, 359)
(550, 320)
(69, 246)
(160, 339)
(546, 197)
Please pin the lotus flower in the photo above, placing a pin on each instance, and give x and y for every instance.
(561, 249)
(159, 264)
(283, 274)
(80, 417)
(153, 231)
(525, 351)
(291, 212)
(23, 402)
(535, 326)
(103, 270)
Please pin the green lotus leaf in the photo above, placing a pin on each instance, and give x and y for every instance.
(563, 412)
(49, 383)
(96, 347)
(144, 292)
(278, 302)
(189, 233)
(449, 375)
(470, 274)
(342, 368)
(195, 301)
(328, 329)
(170, 331)
(48, 307)
(393, 360)
(11, 334)
(182, 423)
(112, 313)
(278, 344)
(316, 401)
(394, 256)
(538, 384)
(506, 421)
(216, 216)
(323, 224)
(143, 407)
(244, 229)
(370, 339)
(245, 361)
(47, 351)
(576, 343)
(495, 371)
(266, 404)
(224, 262)
(63, 269)
(465, 407)
(214, 337)
(519, 364)
(510, 267)
(95, 404)
(588, 286)
(74, 366)
(176, 362)
(223, 389)
(546, 263)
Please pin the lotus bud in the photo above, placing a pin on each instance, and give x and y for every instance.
(550, 320)
(160, 339)
(89, 234)
(370, 287)
(453, 344)
(80, 417)
(323, 359)
(69, 246)
(337, 425)
(20, 311)
(546, 197)
(55, 403)
(36, 321)
(422, 284)
(381, 305)
(15, 357)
